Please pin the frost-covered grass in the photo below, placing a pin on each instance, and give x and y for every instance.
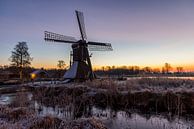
(168, 82)
(146, 94)
(144, 84)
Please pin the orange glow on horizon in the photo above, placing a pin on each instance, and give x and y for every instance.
(186, 68)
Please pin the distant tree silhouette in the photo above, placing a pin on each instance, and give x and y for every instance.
(179, 69)
(103, 68)
(20, 57)
(156, 70)
(167, 67)
(61, 64)
(147, 69)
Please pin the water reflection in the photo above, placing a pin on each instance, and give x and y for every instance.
(114, 119)
(63, 113)
(138, 121)
(6, 99)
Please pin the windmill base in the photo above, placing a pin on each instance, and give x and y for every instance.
(78, 71)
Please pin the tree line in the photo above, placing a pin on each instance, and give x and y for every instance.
(136, 70)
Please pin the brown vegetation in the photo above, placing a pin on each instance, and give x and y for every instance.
(154, 95)
(46, 123)
(141, 95)
(84, 123)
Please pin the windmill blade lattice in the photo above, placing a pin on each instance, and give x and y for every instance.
(50, 36)
(97, 46)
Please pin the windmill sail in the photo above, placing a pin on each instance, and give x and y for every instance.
(50, 36)
(80, 19)
(97, 46)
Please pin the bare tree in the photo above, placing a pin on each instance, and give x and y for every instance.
(61, 64)
(167, 67)
(179, 69)
(20, 57)
(147, 69)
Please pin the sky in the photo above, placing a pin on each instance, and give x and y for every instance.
(142, 32)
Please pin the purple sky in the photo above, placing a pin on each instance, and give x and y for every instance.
(142, 32)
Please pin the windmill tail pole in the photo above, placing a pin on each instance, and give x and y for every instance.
(91, 74)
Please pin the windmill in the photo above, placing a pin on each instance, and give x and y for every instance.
(81, 68)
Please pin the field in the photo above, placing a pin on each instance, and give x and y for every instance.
(161, 103)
